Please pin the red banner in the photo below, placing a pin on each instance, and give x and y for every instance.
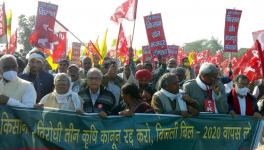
(76, 47)
(146, 54)
(43, 36)
(156, 36)
(173, 51)
(231, 28)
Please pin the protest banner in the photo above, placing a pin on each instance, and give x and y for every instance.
(76, 48)
(43, 36)
(231, 28)
(146, 54)
(156, 36)
(23, 128)
(173, 51)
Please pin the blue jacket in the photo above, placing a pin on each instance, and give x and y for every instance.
(43, 83)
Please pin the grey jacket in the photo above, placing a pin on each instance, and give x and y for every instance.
(192, 89)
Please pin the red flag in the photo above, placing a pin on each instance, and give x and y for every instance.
(202, 56)
(218, 58)
(59, 50)
(259, 35)
(2, 21)
(224, 65)
(250, 64)
(94, 50)
(261, 55)
(181, 55)
(121, 45)
(127, 10)
(13, 43)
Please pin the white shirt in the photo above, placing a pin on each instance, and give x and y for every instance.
(94, 96)
(115, 90)
(28, 99)
(256, 92)
(242, 104)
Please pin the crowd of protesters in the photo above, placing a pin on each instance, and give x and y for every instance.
(112, 88)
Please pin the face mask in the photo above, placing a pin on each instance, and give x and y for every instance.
(170, 69)
(242, 91)
(10, 75)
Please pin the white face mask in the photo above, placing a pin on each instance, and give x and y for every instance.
(242, 91)
(170, 69)
(10, 75)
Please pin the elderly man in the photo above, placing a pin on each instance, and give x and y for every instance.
(15, 91)
(86, 65)
(240, 101)
(95, 97)
(34, 72)
(168, 100)
(62, 96)
(206, 93)
(76, 82)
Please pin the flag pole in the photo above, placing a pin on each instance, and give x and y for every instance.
(135, 18)
(71, 33)
(117, 42)
(258, 46)
(132, 38)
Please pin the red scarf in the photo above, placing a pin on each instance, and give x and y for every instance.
(249, 110)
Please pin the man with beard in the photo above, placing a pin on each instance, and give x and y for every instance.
(143, 77)
(35, 73)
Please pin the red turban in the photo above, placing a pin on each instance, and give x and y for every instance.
(143, 74)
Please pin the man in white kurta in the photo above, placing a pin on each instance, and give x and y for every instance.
(15, 91)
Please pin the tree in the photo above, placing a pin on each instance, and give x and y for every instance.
(213, 44)
(26, 26)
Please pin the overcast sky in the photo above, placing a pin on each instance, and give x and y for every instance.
(183, 20)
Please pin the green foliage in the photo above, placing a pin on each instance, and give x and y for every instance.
(213, 44)
(26, 26)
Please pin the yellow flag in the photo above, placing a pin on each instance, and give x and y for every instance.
(54, 66)
(103, 48)
(70, 54)
(191, 57)
(8, 22)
